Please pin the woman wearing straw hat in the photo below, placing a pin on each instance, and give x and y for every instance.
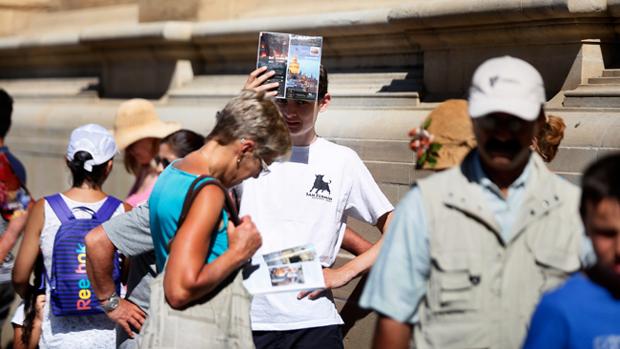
(137, 131)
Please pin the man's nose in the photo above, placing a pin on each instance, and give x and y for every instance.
(502, 133)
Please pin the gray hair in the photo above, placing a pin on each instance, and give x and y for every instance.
(252, 115)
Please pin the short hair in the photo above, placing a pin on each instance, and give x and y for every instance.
(253, 115)
(6, 110)
(183, 142)
(601, 180)
(323, 82)
(549, 137)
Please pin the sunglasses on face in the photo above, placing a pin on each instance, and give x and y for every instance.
(490, 123)
(264, 167)
(163, 161)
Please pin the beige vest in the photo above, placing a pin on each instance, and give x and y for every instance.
(481, 292)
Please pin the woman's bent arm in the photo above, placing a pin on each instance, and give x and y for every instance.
(187, 276)
(29, 249)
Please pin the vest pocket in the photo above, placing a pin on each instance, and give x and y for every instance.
(554, 264)
(452, 284)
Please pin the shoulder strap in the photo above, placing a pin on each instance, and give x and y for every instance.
(108, 208)
(197, 185)
(60, 208)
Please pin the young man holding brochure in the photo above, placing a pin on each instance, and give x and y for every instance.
(307, 200)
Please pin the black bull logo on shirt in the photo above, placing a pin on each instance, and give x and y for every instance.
(320, 185)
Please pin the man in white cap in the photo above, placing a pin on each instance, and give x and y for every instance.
(471, 250)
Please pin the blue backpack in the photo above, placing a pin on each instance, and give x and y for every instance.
(70, 289)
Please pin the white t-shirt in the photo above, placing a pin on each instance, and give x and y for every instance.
(18, 316)
(307, 200)
(92, 331)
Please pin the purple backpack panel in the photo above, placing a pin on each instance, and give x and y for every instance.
(70, 289)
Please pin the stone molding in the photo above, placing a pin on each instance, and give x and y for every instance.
(423, 38)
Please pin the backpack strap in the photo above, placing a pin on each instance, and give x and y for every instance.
(60, 208)
(108, 208)
(194, 190)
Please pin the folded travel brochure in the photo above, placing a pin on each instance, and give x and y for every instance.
(291, 269)
(296, 59)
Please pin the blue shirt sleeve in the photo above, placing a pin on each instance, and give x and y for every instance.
(549, 328)
(398, 280)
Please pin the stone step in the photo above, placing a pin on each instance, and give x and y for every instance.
(612, 80)
(593, 96)
(51, 87)
(611, 72)
(370, 89)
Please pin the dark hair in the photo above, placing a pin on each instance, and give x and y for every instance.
(30, 309)
(95, 178)
(6, 110)
(549, 137)
(599, 181)
(183, 142)
(323, 82)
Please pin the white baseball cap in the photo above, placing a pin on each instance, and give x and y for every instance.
(95, 140)
(509, 85)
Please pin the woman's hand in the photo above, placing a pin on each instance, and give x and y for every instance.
(244, 239)
(39, 303)
(256, 82)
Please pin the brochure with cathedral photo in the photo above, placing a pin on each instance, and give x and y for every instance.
(292, 269)
(296, 59)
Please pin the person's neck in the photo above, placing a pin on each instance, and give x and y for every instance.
(605, 278)
(214, 160)
(85, 193)
(503, 179)
(2, 142)
(304, 140)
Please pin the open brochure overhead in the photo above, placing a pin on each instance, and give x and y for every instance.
(296, 59)
(292, 269)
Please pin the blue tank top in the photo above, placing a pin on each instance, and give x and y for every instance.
(166, 204)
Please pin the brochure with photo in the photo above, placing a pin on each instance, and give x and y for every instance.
(291, 269)
(296, 60)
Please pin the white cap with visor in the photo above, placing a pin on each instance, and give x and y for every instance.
(506, 85)
(95, 140)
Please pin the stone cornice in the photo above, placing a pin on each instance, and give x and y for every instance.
(431, 24)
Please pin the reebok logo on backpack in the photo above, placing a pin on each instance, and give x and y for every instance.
(70, 289)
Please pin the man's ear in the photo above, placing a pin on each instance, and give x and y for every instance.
(324, 102)
(542, 119)
(109, 167)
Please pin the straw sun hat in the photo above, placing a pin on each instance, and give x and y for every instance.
(448, 128)
(137, 119)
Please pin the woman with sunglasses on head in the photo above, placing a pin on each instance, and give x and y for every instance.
(206, 249)
(138, 131)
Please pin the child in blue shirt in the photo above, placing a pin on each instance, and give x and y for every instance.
(585, 312)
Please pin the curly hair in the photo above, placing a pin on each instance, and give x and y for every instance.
(549, 136)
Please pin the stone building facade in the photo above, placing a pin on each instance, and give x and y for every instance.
(68, 62)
